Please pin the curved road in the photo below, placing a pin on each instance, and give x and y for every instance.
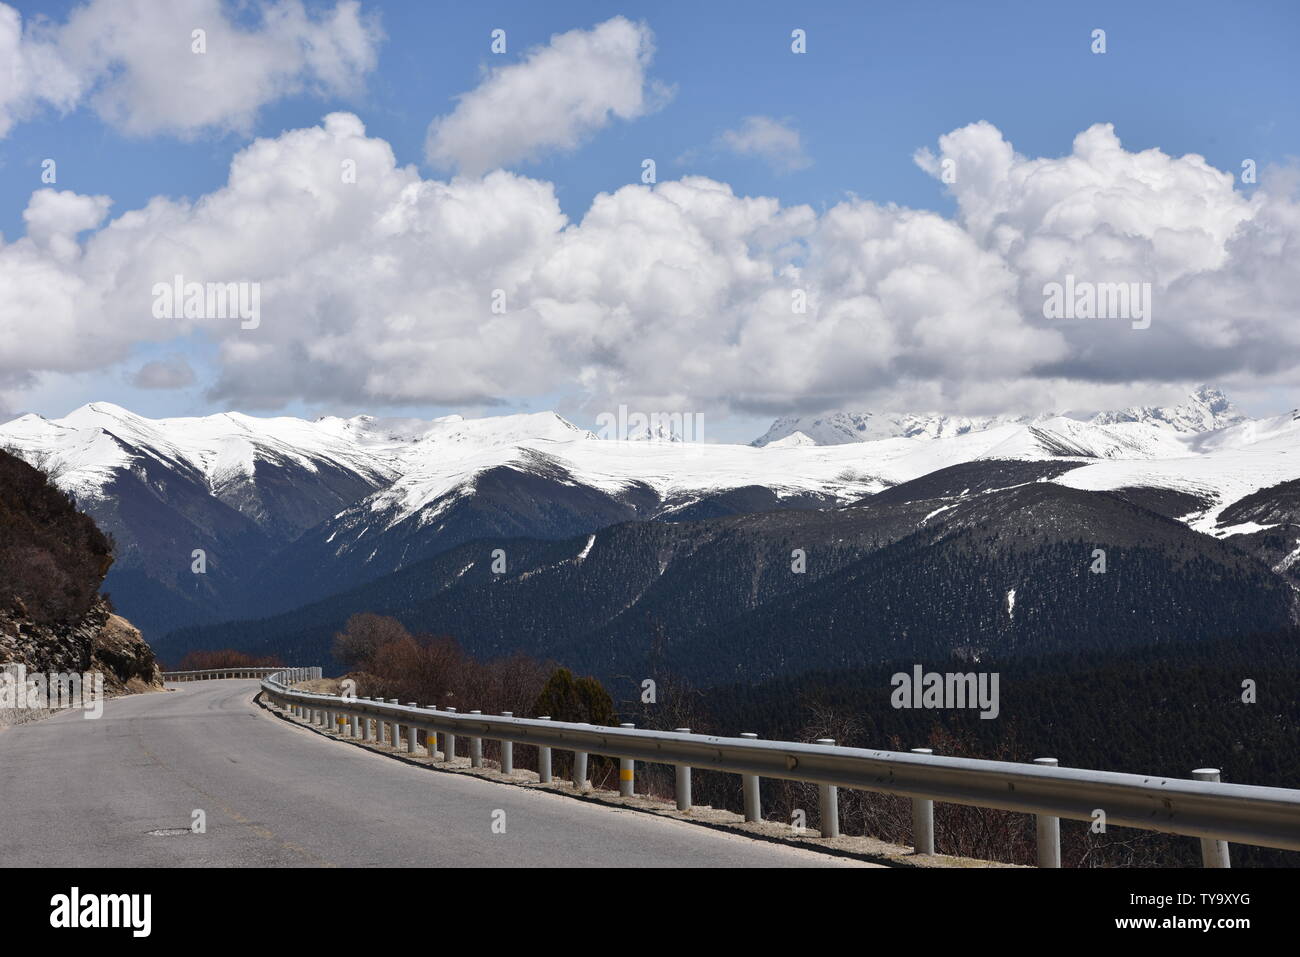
(88, 792)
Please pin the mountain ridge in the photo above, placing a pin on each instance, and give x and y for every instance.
(1206, 409)
(910, 572)
(282, 511)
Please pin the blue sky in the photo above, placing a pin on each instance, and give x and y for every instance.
(1189, 77)
(878, 82)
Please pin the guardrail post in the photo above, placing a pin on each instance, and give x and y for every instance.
(1049, 829)
(507, 750)
(683, 780)
(395, 730)
(354, 726)
(476, 749)
(449, 753)
(830, 802)
(626, 772)
(431, 738)
(580, 769)
(1213, 853)
(544, 758)
(411, 732)
(749, 785)
(922, 819)
(366, 724)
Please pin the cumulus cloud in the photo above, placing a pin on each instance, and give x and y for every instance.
(173, 372)
(133, 61)
(1221, 265)
(54, 218)
(775, 142)
(389, 287)
(553, 100)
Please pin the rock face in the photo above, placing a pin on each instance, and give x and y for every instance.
(99, 642)
(61, 646)
(125, 658)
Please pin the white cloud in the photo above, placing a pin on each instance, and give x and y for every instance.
(133, 62)
(553, 100)
(774, 141)
(677, 296)
(55, 218)
(1222, 265)
(173, 372)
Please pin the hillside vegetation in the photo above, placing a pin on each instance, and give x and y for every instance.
(53, 560)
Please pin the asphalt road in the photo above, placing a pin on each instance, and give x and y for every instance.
(79, 792)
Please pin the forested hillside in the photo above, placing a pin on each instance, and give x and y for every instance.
(1161, 709)
(909, 572)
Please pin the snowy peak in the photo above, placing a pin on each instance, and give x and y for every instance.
(1206, 410)
(660, 433)
(1060, 436)
(841, 428)
(794, 440)
(233, 453)
(501, 430)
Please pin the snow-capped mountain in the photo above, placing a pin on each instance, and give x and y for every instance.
(284, 508)
(287, 510)
(840, 428)
(920, 571)
(1206, 410)
(221, 493)
(237, 457)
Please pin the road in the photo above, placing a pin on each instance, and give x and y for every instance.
(79, 792)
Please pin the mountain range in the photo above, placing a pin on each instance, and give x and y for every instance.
(1205, 410)
(620, 551)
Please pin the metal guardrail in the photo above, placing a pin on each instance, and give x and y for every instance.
(211, 674)
(1201, 807)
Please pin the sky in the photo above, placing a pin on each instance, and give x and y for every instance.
(871, 223)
